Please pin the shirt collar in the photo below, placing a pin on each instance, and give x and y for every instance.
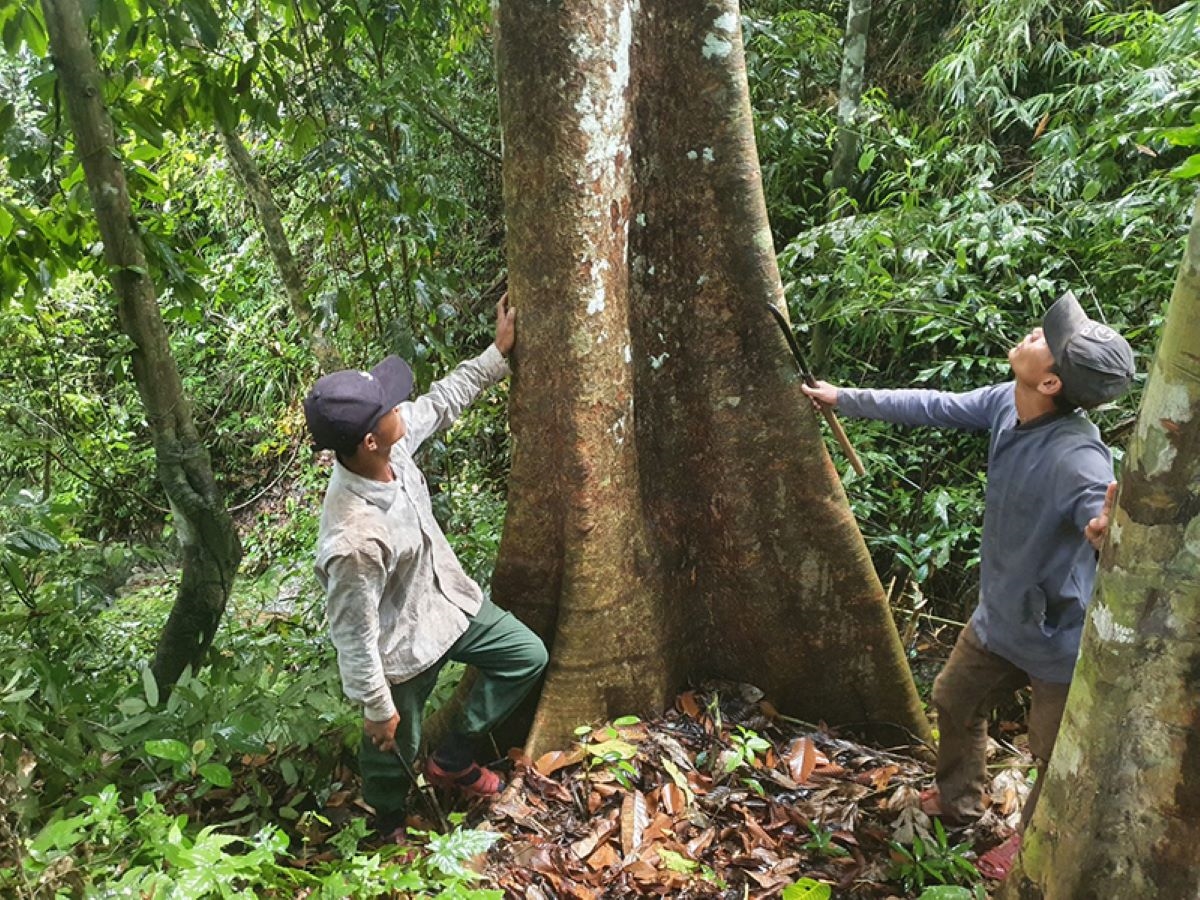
(377, 493)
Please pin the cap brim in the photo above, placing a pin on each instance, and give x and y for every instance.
(1063, 319)
(396, 379)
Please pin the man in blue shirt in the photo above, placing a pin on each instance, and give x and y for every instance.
(1049, 494)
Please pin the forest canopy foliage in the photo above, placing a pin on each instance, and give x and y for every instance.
(1007, 151)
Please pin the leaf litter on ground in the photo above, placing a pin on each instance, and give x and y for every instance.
(656, 809)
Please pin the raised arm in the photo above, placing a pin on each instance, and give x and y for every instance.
(446, 398)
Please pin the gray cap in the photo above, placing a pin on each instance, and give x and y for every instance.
(1094, 362)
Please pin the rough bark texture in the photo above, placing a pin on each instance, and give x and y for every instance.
(210, 547)
(672, 510)
(271, 223)
(1120, 812)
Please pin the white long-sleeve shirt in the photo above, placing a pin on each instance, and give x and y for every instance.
(396, 596)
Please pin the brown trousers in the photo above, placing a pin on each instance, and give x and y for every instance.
(973, 682)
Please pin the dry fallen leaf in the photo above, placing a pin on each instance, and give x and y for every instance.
(549, 763)
(878, 778)
(687, 704)
(634, 819)
(802, 757)
(601, 830)
(605, 857)
(673, 799)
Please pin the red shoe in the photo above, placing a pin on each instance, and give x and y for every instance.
(931, 802)
(998, 862)
(473, 781)
(931, 805)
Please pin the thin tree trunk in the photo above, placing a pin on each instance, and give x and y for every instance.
(1120, 812)
(672, 510)
(271, 222)
(854, 67)
(209, 543)
(844, 168)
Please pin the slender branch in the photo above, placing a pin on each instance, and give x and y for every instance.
(283, 470)
(457, 132)
(94, 480)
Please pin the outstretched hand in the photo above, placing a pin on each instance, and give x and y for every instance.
(1097, 528)
(822, 394)
(506, 325)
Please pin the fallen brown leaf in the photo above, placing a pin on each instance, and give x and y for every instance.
(549, 763)
(633, 821)
(605, 857)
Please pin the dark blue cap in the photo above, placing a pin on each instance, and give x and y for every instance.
(343, 407)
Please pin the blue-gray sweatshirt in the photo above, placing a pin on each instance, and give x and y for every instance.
(1046, 480)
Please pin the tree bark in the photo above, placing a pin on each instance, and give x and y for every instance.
(271, 223)
(209, 543)
(672, 511)
(1120, 812)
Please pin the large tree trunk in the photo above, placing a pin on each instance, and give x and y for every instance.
(271, 222)
(1120, 812)
(672, 511)
(210, 547)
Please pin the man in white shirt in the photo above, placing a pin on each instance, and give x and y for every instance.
(399, 604)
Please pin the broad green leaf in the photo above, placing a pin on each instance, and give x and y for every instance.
(30, 542)
(807, 889)
(612, 749)
(175, 751)
(205, 20)
(14, 573)
(287, 769)
(216, 774)
(946, 892)
(57, 836)
(1189, 168)
(677, 862)
(11, 34)
(132, 706)
(150, 686)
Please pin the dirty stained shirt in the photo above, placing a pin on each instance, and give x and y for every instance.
(396, 596)
(1046, 480)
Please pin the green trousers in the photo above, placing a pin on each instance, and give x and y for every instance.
(508, 658)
